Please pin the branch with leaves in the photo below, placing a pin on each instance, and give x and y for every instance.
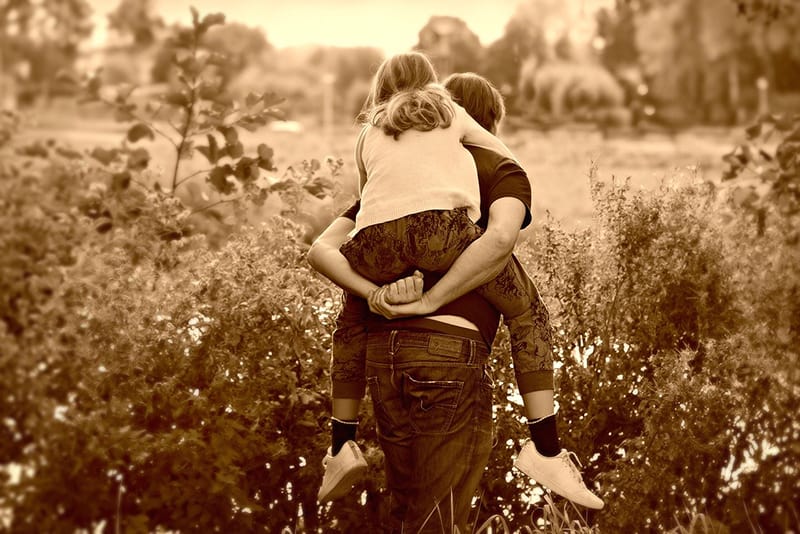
(196, 109)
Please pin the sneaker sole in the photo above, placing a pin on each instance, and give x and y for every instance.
(345, 484)
(555, 488)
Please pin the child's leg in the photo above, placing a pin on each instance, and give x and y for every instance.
(528, 322)
(344, 465)
(531, 340)
(348, 360)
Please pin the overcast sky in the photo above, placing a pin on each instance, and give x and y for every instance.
(390, 25)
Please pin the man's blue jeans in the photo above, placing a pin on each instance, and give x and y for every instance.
(432, 395)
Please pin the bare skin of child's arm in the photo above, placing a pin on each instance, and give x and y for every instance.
(480, 262)
(325, 258)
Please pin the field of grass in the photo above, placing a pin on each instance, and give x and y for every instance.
(557, 162)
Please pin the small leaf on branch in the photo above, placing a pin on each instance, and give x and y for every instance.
(92, 88)
(218, 178)
(140, 131)
(283, 185)
(138, 159)
(247, 169)
(320, 187)
(236, 150)
(192, 66)
(260, 197)
(241, 168)
(747, 154)
(104, 225)
(177, 98)
(271, 99)
(120, 180)
(104, 156)
(170, 235)
(265, 155)
(252, 99)
(211, 152)
(255, 172)
(36, 150)
(209, 90)
(68, 153)
(185, 38)
(212, 19)
(265, 152)
(230, 133)
(232, 118)
(753, 131)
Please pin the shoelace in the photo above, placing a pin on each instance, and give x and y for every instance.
(574, 470)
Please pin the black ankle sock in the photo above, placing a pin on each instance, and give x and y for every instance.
(544, 435)
(341, 431)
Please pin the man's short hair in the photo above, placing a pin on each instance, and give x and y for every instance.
(478, 97)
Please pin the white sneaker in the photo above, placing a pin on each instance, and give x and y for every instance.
(341, 471)
(558, 473)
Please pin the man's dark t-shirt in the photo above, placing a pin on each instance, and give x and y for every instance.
(498, 177)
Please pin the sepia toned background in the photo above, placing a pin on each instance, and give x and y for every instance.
(165, 164)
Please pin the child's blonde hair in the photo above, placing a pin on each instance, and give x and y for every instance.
(404, 96)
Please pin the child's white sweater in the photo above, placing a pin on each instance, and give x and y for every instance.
(421, 171)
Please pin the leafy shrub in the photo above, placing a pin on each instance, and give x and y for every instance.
(764, 174)
(156, 383)
(675, 329)
(9, 122)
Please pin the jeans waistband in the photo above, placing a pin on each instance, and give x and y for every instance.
(382, 346)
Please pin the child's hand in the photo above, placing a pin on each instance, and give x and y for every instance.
(379, 304)
(405, 290)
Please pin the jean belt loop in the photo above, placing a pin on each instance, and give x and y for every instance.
(473, 352)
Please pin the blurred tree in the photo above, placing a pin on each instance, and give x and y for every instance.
(617, 29)
(242, 46)
(451, 45)
(40, 38)
(765, 10)
(136, 19)
(524, 37)
(701, 60)
(352, 68)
